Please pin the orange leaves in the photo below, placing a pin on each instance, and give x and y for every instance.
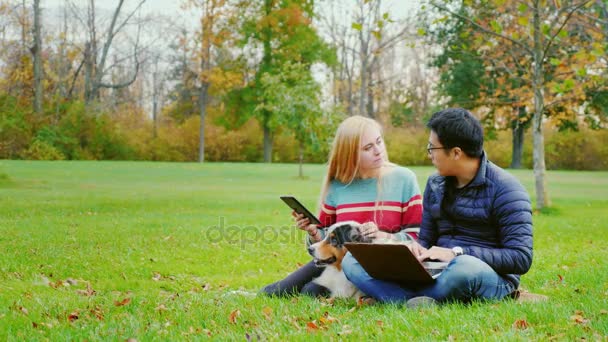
(579, 317)
(123, 302)
(520, 324)
(233, 316)
(321, 324)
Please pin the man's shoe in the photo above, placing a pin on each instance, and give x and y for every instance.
(421, 302)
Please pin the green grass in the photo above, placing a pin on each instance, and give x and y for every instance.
(150, 232)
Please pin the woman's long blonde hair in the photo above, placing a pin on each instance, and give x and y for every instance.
(343, 162)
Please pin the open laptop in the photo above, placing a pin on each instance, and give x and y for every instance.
(395, 262)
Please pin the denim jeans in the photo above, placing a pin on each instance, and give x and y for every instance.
(465, 278)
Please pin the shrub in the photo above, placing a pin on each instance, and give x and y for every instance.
(41, 150)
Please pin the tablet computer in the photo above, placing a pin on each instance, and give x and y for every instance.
(299, 208)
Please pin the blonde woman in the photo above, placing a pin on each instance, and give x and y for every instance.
(361, 185)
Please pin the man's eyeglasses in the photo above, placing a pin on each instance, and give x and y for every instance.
(430, 148)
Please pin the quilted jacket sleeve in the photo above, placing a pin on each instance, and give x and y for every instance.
(513, 213)
(428, 228)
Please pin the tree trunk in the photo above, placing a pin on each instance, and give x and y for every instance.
(301, 158)
(155, 95)
(267, 144)
(518, 130)
(542, 199)
(37, 49)
(202, 102)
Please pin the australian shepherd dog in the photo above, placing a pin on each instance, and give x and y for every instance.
(330, 251)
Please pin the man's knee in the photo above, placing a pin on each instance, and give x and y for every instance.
(465, 268)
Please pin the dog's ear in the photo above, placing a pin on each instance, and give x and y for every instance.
(340, 235)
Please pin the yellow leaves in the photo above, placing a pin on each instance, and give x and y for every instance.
(267, 312)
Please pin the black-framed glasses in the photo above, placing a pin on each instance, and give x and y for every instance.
(430, 148)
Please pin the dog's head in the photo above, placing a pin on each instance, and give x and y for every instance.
(331, 250)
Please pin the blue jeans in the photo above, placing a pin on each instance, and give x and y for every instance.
(465, 278)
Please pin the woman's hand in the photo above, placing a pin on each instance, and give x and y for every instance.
(370, 230)
(304, 224)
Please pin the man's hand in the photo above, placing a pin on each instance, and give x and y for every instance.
(437, 253)
(417, 249)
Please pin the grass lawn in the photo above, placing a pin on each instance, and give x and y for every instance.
(168, 251)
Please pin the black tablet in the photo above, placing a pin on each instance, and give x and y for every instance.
(294, 204)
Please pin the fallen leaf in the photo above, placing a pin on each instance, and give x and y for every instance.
(267, 312)
(578, 319)
(603, 312)
(157, 276)
(71, 281)
(123, 302)
(521, 324)
(207, 287)
(23, 310)
(161, 307)
(312, 327)
(326, 319)
(73, 316)
(559, 276)
(379, 323)
(131, 340)
(35, 325)
(97, 312)
(88, 292)
(233, 316)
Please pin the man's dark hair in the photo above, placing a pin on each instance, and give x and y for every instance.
(457, 127)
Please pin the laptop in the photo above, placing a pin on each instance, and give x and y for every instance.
(395, 263)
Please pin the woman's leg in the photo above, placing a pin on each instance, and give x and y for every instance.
(297, 282)
(383, 291)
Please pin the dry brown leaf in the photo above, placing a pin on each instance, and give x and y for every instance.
(73, 316)
(23, 310)
(579, 319)
(521, 324)
(157, 276)
(123, 302)
(312, 327)
(97, 312)
(326, 319)
(161, 307)
(267, 312)
(603, 312)
(88, 292)
(207, 287)
(379, 323)
(233, 316)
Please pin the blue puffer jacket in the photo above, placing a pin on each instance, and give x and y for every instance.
(490, 218)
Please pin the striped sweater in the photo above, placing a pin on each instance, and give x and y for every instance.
(399, 205)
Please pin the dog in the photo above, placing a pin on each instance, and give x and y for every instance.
(329, 252)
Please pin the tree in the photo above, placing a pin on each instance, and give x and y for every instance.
(281, 31)
(36, 51)
(293, 96)
(546, 37)
(95, 61)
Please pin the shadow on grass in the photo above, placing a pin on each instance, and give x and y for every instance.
(549, 211)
